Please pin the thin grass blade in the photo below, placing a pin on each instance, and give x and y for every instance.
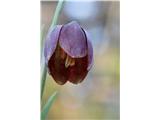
(47, 106)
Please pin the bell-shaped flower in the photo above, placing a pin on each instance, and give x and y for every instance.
(68, 53)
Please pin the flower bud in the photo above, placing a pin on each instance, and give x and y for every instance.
(68, 53)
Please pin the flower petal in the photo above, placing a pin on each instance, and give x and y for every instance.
(73, 41)
(90, 55)
(90, 50)
(78, 72)
(57, 68)
(51, 42)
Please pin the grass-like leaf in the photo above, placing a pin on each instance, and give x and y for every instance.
(43, 78)
(47, 106)
(42, 38)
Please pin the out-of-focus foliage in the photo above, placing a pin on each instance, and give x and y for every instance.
(97, 97)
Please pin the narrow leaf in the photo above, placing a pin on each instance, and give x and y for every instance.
(43, 78)
(42, 38)
(47, 106)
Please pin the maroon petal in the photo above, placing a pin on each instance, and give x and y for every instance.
(72, 40)
(51, 42)
(57, 68)
(77, 73)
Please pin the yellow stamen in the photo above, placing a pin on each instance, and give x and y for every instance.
(72, 62)
(69, 61)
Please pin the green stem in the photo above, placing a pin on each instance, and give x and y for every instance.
(42, 38)
(57, 12)
(43, 79)
(54, 22)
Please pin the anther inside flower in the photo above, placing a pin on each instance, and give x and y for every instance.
(69, 61)
(68, 53)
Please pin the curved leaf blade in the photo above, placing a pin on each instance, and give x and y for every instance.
(47, 106)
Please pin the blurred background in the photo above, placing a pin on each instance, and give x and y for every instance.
(98, 96)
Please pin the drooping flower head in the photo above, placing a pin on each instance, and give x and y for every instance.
(68, 53)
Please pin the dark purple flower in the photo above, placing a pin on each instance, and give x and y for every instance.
(68, 53)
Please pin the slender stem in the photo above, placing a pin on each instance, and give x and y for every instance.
(54, 22)
(57, 13)
(43, 79)
(42, 38)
